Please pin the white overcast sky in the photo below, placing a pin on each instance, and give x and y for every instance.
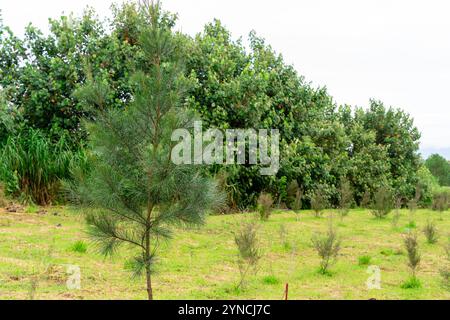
(397, 51)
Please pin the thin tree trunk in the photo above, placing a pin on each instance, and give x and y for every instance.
(148, 268)
(149, 283)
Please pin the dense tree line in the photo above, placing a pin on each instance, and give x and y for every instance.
(230, 86)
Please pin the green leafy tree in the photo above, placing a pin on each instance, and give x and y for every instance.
(440, 168)
(395, 130)
(135, 191)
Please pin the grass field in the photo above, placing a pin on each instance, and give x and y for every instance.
(37, 246)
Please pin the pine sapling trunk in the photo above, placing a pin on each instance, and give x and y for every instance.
(148, 268)
(148, 254)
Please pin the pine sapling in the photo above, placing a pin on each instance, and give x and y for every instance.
(135, 194)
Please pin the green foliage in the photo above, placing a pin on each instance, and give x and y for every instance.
(79, 247)
(43, 79)
(441, 201)
(32, 166)
(411, 283)
(428, 185)
(319, 202)
(327, 247)
(431, 232)
(271, 280)
(440, 168)
(382, 203)
(136, 193)
(412, 248)
(364, 260)
(249, 253)
(265, 203)
(346, 198)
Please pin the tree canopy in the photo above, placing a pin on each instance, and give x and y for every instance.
(231, 86)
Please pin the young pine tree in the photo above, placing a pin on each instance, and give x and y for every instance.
(135, 191)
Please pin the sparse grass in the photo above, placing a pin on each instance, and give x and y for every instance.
(211, 252)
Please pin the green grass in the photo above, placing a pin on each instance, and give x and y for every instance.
(79, 246)
(411, 283)
(201, 263)
(364, 260)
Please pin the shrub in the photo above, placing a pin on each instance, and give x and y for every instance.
(364, 260)
(382, 203)
(345, 198)
(365, 200)
(265, 202)
(79, 246)
(295, 196)
(318, 202)
(441, 201)
(412, 248)
(430, 232)
(327, 247)
(32, 166)
(284, 237)
(249, 252)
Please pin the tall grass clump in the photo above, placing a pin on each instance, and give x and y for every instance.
(31, 166)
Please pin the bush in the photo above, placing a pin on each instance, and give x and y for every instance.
(441, 201)
(295, 196)
(327, 247)
(345, 198)
(249, 253)
(430, 232)
(318, 202)
(265, 202)
(365, 200)
(382, 203)
(32, 166)
(412, 248)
